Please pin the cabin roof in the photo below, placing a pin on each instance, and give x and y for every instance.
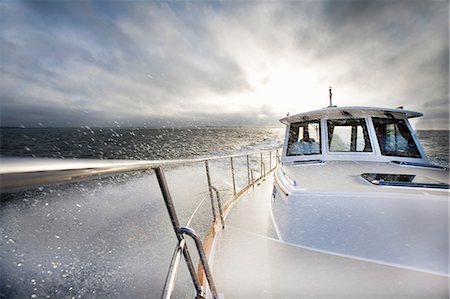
(355, 111)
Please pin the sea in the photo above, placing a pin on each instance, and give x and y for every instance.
(135, 143)
(164, 143)
(111, 237)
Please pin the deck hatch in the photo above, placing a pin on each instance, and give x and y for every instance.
(403, 180)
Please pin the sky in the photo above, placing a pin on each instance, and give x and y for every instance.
(183, 64)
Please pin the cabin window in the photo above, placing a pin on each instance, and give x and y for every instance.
(304, 139)
(348, 135)
(395, 138)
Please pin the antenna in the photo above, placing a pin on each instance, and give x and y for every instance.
(331, 101)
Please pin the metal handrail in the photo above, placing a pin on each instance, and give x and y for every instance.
(16, 173)
(185, 230)
(20, 173)
(201, 252)
(169, 285)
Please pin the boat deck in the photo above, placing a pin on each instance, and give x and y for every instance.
(250, 261)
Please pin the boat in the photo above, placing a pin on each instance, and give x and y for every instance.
(357, 211)
(350, 207)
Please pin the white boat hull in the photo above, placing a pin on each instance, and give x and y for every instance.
(250, 261)
(407, 232)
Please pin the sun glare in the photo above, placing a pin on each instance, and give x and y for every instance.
(287, 89)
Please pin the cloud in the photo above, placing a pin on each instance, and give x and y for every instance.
(227, 63)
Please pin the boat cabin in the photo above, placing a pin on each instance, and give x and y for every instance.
(352, 133)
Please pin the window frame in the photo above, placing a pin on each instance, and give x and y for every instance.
(365, 124)
(289, 143)
(413, 139)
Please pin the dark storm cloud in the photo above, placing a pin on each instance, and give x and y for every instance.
(105, 57)
(73, 63)
(400, 47)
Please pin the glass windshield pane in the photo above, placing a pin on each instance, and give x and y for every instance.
(348, 135)
(395, 138)
(304, 139)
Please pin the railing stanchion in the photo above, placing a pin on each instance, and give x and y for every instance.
(211, 196)
(261, 165)
(219, 204)
(270, 160)
(253, 183)
(248, 170)
(232, 176)
(176, 226)
(275, 160)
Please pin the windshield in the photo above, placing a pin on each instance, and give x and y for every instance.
(395, 138)
(348, 135)
(304, 139)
